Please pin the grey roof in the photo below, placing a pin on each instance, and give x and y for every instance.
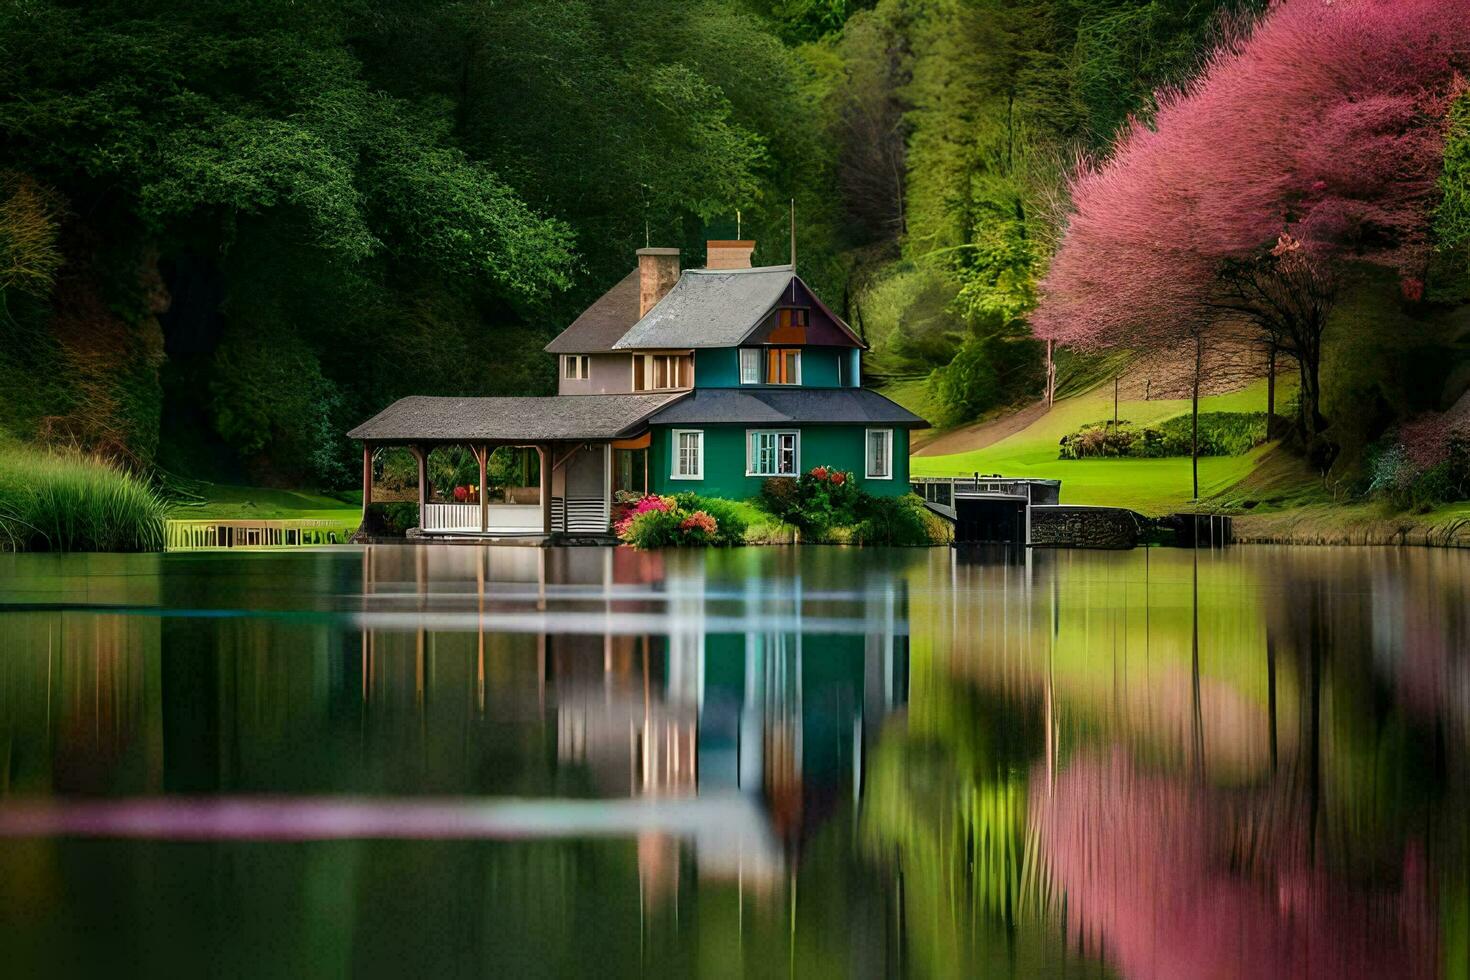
(709, 308)
(550, 419)
(602, 323)
(787, 406)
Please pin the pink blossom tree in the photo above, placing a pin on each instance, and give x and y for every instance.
(1309, 144)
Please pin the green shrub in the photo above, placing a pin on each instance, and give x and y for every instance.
(780, 496)
(1220, 434)
(67, 502)
(684, 519)
(728, 514)
(392, 518)
(893, 521)
(653, 529)
(822, 498)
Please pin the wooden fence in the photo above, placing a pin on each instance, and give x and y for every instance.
(195, 534)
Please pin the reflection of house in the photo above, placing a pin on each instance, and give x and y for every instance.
(755, 708)
(709, 380)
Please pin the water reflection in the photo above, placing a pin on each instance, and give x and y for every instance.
(1158, 763)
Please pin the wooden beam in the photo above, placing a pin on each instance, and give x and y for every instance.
(423, 460)
(482, 455)
(544, 455)
(367, 480)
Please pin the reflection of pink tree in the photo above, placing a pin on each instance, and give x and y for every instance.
(1178, 880)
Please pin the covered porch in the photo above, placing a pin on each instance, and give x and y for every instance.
(572, 454)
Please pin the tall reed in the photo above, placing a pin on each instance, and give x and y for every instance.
(70, 502)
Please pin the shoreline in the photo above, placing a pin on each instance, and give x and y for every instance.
(1327, 525)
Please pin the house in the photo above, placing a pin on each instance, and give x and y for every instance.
(708, 380)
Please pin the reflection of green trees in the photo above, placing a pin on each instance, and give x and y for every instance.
(946, 805)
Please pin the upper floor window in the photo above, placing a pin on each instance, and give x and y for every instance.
(654, 372)
(772, 453)
(879, 455)
(574, 367)
(786, 319)
(783, 366)
(750, 366)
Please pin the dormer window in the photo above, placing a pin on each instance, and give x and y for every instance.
(790, 327)
(783, 366)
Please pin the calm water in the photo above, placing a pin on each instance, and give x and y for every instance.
(449, 762)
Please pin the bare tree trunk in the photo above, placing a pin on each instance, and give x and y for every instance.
(1270, 390)
(1199, 344)
(1115, 404)
(1050, 374)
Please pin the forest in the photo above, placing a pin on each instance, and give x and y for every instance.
(229, 230)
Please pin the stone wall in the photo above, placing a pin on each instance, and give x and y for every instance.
(1070, 526)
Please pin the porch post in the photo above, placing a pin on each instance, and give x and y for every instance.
(367, 479)
(423, 460)
(482, 454)
(544, 457)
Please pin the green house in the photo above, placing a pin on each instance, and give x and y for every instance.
(711, 380)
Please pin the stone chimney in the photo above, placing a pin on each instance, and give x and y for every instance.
(658, 270)
(728, 254)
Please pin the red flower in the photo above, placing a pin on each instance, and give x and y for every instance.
(461, 494)
(838, 478)
(820, 472)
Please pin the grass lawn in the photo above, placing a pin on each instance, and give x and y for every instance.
(1150, 486)
(221, 502)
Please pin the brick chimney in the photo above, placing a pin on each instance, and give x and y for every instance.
(658, 270)
(728, 254)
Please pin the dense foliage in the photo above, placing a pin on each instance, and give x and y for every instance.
(953, 124)
(1334, 118)
(1220, 434)
(229, 231)
(826, 504)
(66, 502)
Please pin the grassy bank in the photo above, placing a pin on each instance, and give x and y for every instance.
(64, 502)
(1357, 524)
(1150, 486)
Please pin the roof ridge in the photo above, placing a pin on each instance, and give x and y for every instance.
(726, 272)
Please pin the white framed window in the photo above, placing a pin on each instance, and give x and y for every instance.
(750, 365)
(879, 455)
(574, 367)
(688, 454)
(658, 372)
(772, 452)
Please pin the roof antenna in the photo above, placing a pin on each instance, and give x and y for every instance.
(647, 238)
(793, 250)
(793, 234)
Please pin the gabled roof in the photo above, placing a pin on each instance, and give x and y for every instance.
(787, 406)
(602, 323)
(558, 418)
(709, 308)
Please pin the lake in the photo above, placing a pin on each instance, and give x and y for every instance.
(459, 761)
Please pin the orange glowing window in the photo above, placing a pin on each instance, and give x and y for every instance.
(783, 366)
